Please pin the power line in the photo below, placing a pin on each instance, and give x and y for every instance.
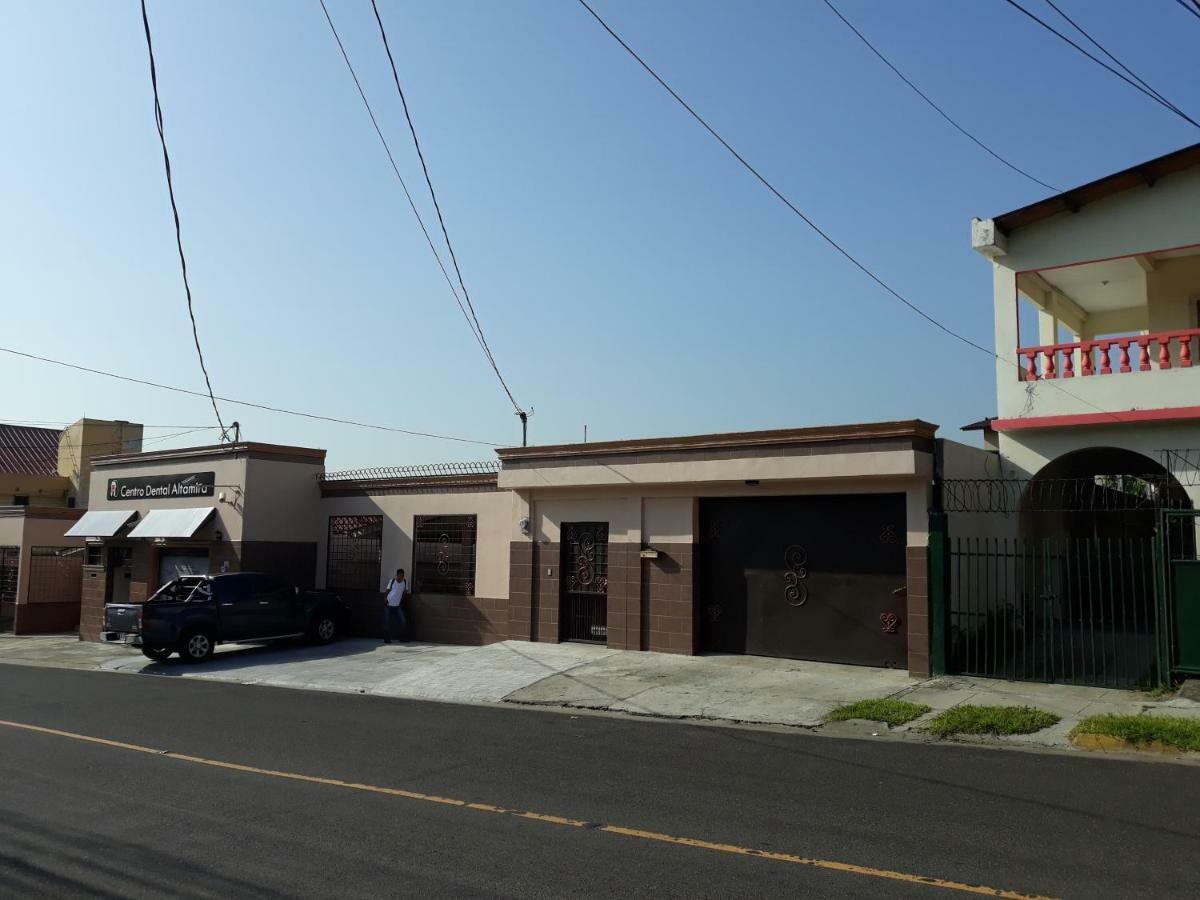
(70, 445)
(1095, 43)
(437, 207)
(247, 403)
(40, 423)
(1193, 7)
(941, 112)
(162, 139)
(1102, 63)
(862, 267)
(395, 168)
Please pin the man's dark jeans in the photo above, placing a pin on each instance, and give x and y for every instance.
(393, 621)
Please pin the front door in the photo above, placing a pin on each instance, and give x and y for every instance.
(584, 588)
(819, 577)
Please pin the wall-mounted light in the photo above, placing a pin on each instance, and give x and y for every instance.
(523, 524)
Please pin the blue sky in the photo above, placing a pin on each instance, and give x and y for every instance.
(629, 275)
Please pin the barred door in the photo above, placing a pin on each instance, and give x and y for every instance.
(584, 590)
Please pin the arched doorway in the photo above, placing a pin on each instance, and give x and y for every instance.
(1099, 492)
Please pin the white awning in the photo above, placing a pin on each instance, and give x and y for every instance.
(101, 522)
(172, 523)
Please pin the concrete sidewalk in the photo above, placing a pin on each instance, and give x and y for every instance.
(582, 676)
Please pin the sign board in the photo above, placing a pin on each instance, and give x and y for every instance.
(162, 487)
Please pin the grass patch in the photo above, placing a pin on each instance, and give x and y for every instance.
(990, 720)
(1183, 734)
(890, 712)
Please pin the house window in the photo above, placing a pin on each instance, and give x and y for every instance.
(21, 500)
(354, 553)
(444, 555)
(95, 555)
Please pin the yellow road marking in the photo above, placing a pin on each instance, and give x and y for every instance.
(637, 833)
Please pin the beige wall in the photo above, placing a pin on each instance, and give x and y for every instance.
(1173, 289)
(629, 470)
(18, 530)
(282, 501)
(494, 510)
(90, 438)
(42, 490)
(668, 513)
(230, 474)
(1139, 220)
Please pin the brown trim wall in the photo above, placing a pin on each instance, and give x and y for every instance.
(46, 617)
(917, 620)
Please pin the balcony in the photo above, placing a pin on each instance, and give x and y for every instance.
(1106, 356)
(1096, 332)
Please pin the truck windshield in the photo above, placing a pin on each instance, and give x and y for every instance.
(183, 589)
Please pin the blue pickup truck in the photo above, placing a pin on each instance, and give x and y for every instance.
(192, 614)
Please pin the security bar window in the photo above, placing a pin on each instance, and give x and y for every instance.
(444, 555)
(354, 553)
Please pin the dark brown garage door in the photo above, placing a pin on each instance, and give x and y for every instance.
(805, 577)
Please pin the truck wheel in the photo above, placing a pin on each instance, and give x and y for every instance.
(197, 646)
(158, 654)
(324, 629)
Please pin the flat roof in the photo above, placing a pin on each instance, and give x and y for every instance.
(909, 428)
(1143, 174)
(250, 448)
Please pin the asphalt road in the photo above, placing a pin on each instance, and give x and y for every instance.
(84, 818)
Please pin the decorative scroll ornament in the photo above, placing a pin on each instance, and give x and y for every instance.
(889, 620)
(795, 591)
(583, 578)
(888, 534)
(443, 555)
(714, 613)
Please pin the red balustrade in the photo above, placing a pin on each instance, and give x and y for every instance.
(1046, 358)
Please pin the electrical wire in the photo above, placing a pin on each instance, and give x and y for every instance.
(941, 112)
(1015, 5)
(472, 322)
(1095, 43)
(162, 139)
(247, 403)
(71, 445)
(438, 209)
(1193, 7)
(862, 267)
(395, 168)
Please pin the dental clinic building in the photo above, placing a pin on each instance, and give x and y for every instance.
(806, 543)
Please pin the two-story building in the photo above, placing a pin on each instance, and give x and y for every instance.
(1077, 560)
(1097, 321)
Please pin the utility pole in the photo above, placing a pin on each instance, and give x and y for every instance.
(524, 417)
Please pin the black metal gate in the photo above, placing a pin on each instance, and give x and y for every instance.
(584, 586)
(1073, 610)
(805, 577)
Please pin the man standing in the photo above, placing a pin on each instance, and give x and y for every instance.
(392, 612)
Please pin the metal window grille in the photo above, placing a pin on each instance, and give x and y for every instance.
(355, 550)
(444, 555)
(10, 565)
(55, 573)
(95, 555)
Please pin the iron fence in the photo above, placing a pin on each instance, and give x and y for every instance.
(1079, 610)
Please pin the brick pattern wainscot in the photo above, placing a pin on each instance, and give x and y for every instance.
(917, 561)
